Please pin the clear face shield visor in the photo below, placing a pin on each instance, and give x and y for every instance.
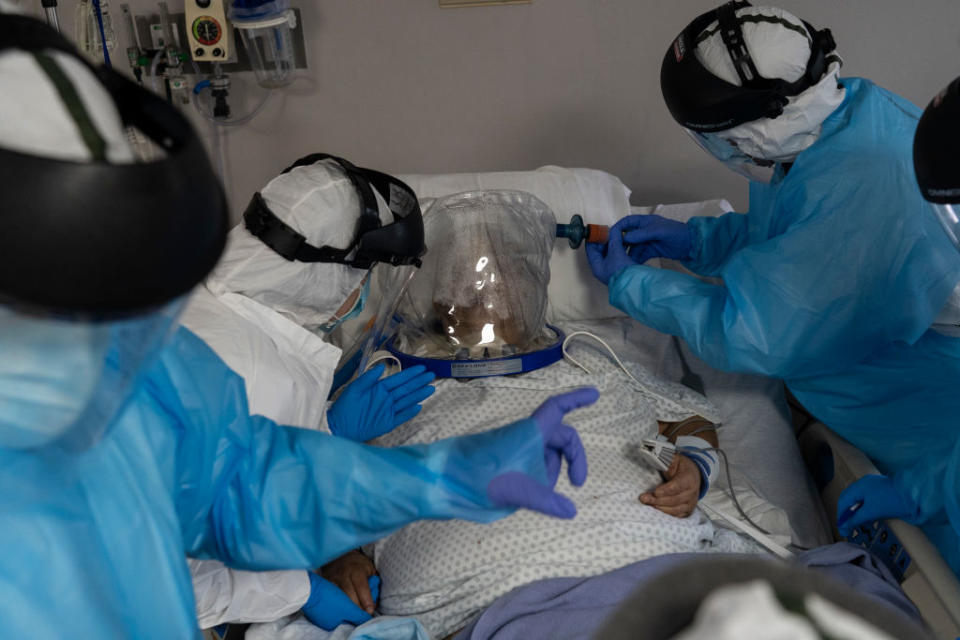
(949, 217)
(726, 151)
(64, 380)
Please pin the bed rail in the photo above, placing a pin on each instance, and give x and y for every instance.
(923, 574)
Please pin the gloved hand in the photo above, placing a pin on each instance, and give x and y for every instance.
(515, 489)
(328, 606)
(369, 407)
(607, 260)
(653, 236)
(353, 572)
(880, 499)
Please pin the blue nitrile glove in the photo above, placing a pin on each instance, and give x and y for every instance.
(880, 499)
(607, 260)
(328, 606)
(517, 489)
(653, 236)
(370, 407)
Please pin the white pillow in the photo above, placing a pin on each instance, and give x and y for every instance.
(574, 294)
(683, 211)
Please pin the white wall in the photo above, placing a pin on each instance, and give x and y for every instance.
(404, 86)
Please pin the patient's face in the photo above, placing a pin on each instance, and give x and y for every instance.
(478, 326)
(482, 289)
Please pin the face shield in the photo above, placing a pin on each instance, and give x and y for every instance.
(949, 217)
(478, 304)
(726, 151)
(91, 283)
(64, 380)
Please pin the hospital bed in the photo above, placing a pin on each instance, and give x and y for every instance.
(803, 470)
(800, 467)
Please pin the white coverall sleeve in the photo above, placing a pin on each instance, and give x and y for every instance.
(232, 595)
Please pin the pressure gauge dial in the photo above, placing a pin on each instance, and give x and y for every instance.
(206, 30)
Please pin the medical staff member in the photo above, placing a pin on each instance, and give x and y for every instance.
(838, 279)
(926, 494)
(269, 317)
(125, 443)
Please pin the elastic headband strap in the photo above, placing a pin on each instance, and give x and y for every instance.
(292, 245)
(731, 32)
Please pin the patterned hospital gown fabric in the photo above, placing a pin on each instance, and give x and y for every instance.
(444, 572)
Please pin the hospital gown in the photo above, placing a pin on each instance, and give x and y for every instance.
(832, 282)
(444, 573)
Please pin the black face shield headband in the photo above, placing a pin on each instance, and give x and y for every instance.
(700, 101)
(97, 239)
(935, 147)
(398, 243)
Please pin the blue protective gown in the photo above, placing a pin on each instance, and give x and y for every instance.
(93, 544)
(831, 282)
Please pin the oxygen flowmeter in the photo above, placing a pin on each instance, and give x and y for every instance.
(209, 35)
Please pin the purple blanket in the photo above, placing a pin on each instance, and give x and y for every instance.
(577, 607)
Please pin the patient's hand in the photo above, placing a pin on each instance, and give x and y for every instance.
(350, 572)
(678, 495)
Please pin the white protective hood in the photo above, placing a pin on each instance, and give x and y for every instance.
(34, 119)
(780, 48)
(320, 202)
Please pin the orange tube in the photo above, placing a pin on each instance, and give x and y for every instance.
(597, 233)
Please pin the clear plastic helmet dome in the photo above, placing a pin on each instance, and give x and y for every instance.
(482, 290)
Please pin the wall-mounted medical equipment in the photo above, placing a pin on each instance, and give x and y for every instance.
(209, 36)
(266, 27)
(95, 35)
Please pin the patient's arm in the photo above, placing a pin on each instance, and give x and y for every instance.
(678, 496)
(694, 425)
(350, 572)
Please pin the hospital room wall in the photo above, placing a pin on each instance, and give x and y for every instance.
(404, 86)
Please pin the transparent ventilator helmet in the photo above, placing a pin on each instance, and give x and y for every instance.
(481, 292)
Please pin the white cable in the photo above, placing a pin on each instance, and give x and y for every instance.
(153, 70)
(616, 359)
(764, 540)
(380, 356)
(753, 530)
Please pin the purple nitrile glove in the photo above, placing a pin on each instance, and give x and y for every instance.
(879, 499)
(560, 441)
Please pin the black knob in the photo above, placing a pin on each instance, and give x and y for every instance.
(203, 4)
(199, 52)
(218, 52)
